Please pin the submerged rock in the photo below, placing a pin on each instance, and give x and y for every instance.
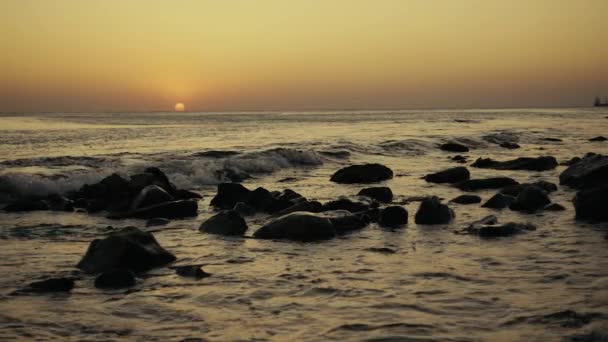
(345, 221)
(590, 171)
(451, 175)
(115, 279)
(499, 201)
(168, 210)
(127, 249)
(298, 227)
(381, 194)
(307, 206)
(192, 271)
(592, 204)
(459, 159)
(466, 199)
(50, 285)
(524, 163)
(509, 145)
(454, 147)
(345, 203)
(600, 138)
(488, 228)
(393, 216)
(226, 222)
(487, 183)
(432, 211)
(157, 221)
(365, 173)
(530, 199)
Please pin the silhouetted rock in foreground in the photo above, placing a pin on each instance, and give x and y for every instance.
(524, 163)
(115, 279)
(487, 183)
(592, 204)
(226, 222)
(590, 171)
(530, 199)
(466, 199)
(451, 175)
(432, 211)
(454, 147)
(499, 201)
(381, 194)
(299, 227)
(393, 216)
(600, 138)
(50, 285)
(365, 173)
(128, 249)
(488, 228)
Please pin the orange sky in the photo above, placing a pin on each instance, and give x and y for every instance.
(124, 55)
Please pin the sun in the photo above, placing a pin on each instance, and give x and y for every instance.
(179, 107)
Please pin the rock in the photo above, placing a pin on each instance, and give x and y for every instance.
(344, 203)
(157, 221)
(592, 204)
(289, 195)
(514, 190)
(115, 279)
(509, 145)
(554, 207)
(530, 199)
(127, 249)
(459, 159)
(150, 195)
(307, 206)
(232, 175)
(552, 139)
(381, 194)
(454, 147)
(51, 285)
(451, 175)
(466, 199)
(298, 227)
(344, 221)
(487, 183)
(571, 161)
(229, 194)
(59, 203)
(590, 171)
(226, 222)
(160, 179)
(217, 154)
(26, 205)
(507, 229)
(365, 173)
(524, 163)
(265, 201)
(168, 210)
(192, 271)
(600, 138)
(431, 211)
(181, 194)
(499, 201)
(244, 209)
(393, 216)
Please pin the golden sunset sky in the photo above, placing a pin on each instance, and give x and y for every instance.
(136, 55)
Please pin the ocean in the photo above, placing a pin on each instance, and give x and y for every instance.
(412, 283)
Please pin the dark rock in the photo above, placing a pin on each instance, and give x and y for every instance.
(265, 201)
(600, 138)
(451, 175)
(382, 250)
(551, 139)
(514, 190)
(182, 194)
(217, 154)
(432, 211)
(344, 203)
(507, 229)
(168, 210)
(226, 222)
(393, 216)
(459, 159)
(572, 161)
(381, 194)
(26, 205)
(129, 249)
(298, 227)
(590, 171)
(524, 163)
(344, 221)
(229, 194)
(307, 206)
(454, 147)
(115, 279)
(466, 199)
(160, 179)
(487, 183)
(592, 204)
(192, 271)
(244, 209)
(157, 221)
(366, 173)
(501, 137)
(499, 201)
(51, 285)
(554, 207)
(150, 195)
(530, 199)
(289, 195)
(509, 145)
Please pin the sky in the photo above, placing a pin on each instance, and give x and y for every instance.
(223, 55)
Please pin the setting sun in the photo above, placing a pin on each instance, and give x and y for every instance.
(179, 107)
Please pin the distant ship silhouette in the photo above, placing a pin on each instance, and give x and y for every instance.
(599, 103)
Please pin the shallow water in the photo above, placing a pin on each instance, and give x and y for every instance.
(417, 282)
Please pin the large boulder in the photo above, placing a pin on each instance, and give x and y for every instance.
(592, 204)
(50, 285)
(454, 147)
(451, 175)
(499, 201)
(365, 173)
(466, 199)
(380, 193)
(432, 211)
(485, 183)
(226, 222)
(524, 163)
(151, 195)
(393, 216)
(128, 249)
(265, 201)
(168, 210)
(298, 226)
(590, 171)
(530, 199)
(229, 194)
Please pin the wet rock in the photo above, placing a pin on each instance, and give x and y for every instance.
(298, 227)
(530, 199)
(514, 190)
(459, 159)
(393, 216)
(454, 147)
(344, 221)
(307, 206)
(509, 145)
(365, 173)
(150, 195)
(50, 285)
(229, 194)
(381, 194)
(451, 175)
(290, 195)
(191, 271)
(487, 183)
(244, 209)
(265, 201)
(157, 221)
(571, 161)
(344, 203)
(600, 138)
(182, 194)
(115, 279)
(232, 175)
(226, 222)
(128, 249)
(432, 211)
(523, 163)
(507, 229)
(217, 154)
(168, 210)
(26, 205)
(590, 171)
(592, 204)
(552, 139)
(554, 207)
(499, 201)
(381, 250)
(466, 199)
